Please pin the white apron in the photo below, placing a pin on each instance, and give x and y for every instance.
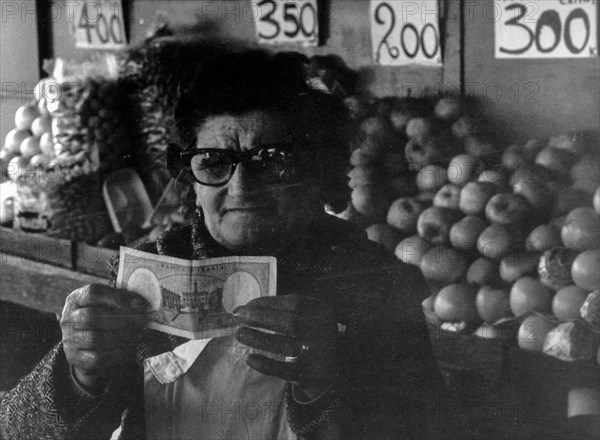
(203, 390)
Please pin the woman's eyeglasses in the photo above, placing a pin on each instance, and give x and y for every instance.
(270, 163)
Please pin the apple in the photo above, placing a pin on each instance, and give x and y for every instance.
(533, 331)
(543, 238)
(16, 167)
(497, 177)
(573, 143)
(507, 209)
(448, 197)
(25, 115)
(539, 194)
(483, 272)
(567, 302)
(584, 270)
(531, 172)
(434, 224)
(30, 147)
(374, 147)
(40, 160)
(481, 148)
(376, 127)
(581, 230)
(596, 200)
(431, 178)
(464, 168)
(496, 241)
(47, 144)
(420, 129)
(411, 249)
(371, 201)
(474, 197)
(385, 235)
(448, 108)
(464, 233)
(513, 158)
(492, 303)
(420, 154)
(529, 294)
(359, 158)
(518, 264)
(443, 264)
(14, 139)
(532, 147)
(464, 127)
(428, 302)
(456, 303)
(364, 176)
(41, 125)
(404, 213)
(557, 161)
(586, 175)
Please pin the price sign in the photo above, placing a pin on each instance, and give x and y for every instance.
(98, 24)
(546, 29)
(405, 32)
(283, 21)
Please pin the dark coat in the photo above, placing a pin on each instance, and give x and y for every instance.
(389, 386)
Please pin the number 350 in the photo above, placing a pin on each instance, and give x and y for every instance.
(298, 18)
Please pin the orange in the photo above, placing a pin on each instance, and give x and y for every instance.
(455, 303)
(529, 294)
(533, 331)
(585, 270)
(581, 230)
(567, 302)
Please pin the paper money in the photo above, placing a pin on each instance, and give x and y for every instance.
(194, 298)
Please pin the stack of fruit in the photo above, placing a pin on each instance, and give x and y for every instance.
(75, 131)
(503, 235)
(401, 158)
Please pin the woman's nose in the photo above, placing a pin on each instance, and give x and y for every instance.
(243, 181)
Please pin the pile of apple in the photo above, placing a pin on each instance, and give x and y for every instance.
(503, 235)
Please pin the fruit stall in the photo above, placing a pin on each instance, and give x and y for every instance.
(480, 166)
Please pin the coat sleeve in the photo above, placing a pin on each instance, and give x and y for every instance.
(48, 404)
(390, 385)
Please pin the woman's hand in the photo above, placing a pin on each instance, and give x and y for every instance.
(100, 327)
(306, 330)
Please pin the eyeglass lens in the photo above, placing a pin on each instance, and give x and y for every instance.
(215, 167)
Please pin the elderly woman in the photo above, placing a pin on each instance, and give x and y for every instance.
(265, 151)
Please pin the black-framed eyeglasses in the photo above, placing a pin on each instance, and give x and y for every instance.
(271, 163)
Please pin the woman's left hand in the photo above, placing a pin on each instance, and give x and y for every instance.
(306, 331)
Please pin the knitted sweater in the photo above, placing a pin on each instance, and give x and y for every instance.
(388, 386)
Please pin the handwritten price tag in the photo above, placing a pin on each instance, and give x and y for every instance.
(546, 29)
(405, 32)
(283, 21)
(98, 24)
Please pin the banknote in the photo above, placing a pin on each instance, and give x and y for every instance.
(194, 298)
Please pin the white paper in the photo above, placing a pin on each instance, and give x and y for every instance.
(405, 32)
(97, 24)
(286, 21)
(545, 28)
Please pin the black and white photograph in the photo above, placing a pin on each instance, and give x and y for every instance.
(299, 220)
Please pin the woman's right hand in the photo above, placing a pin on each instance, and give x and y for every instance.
(101, 327)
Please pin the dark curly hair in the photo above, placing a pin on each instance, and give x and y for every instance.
(238, 81)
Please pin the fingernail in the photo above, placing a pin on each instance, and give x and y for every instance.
(236, 311)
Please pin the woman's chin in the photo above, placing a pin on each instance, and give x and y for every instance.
(249, 233)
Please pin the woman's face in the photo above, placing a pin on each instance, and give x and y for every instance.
(247, 215)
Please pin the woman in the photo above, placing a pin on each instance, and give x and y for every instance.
(266, 150)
